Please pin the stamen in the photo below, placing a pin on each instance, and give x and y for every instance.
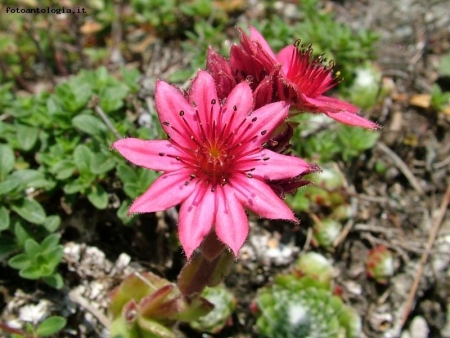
(264, 132)
(166, 123)
(181, 112)
(254, 119)
(161, 154)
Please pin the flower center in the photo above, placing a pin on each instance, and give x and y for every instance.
(311, 74)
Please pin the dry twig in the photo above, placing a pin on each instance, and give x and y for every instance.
(402, 166)
(424, 258)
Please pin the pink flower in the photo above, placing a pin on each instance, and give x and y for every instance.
(214, 162)
(302, 79)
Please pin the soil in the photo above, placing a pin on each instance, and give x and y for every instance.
(406, 210)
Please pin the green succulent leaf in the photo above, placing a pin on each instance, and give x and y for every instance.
(82, 156)
(50, 326)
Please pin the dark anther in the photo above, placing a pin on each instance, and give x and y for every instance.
(177, 158)
(264, 132)
(181, 112)
(187, 183)
(249, 175)
(161, 154)
(254, 119)
(266, 158)
(165, 123)
(213, 189)
(234, 108)
(193, 176)
(213, 101)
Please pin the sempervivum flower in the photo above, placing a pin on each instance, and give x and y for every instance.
(301, 80)
(214, 161)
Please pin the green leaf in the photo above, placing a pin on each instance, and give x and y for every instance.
(73, 187)
(54, 281)
(9, 185)
(98, 197)
(32, 248)
(126, 174)
(21, 233)
(54, 257)
(63, 169)
(50, 326)
(30, 178)
(82, 156)
(89, 124)
(19, 261)
(31, 272)
(6, 160)
(101, 163)
(4, 219)
(30, 210)
(52, 223)
(26, 136)
(111, 98)
(49, 243)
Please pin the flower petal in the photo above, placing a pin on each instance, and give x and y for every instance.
(257, 196)
(263, 50)
(196, 217)
(167, 191)
(264, 121)
(172, 108)
(340, 111)
(270, 165)
(204, 97)
(285, 56)
(149, 154)
(239, 103)
(231, 223)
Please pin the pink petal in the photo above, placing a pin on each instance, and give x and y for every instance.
(241, 99)
(167, 191)
(149, 154)
(270, 165)
(256, 36)
(204, 97)
(341, 111)
(231, 224)
(285, 56)
(257, 196)
(196, 217)
(264, 121)
(171, 104)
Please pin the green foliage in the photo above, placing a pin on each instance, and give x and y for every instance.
(334, 142)
(40, 260)
(46, 328)
(440, 100)
(53, 144)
